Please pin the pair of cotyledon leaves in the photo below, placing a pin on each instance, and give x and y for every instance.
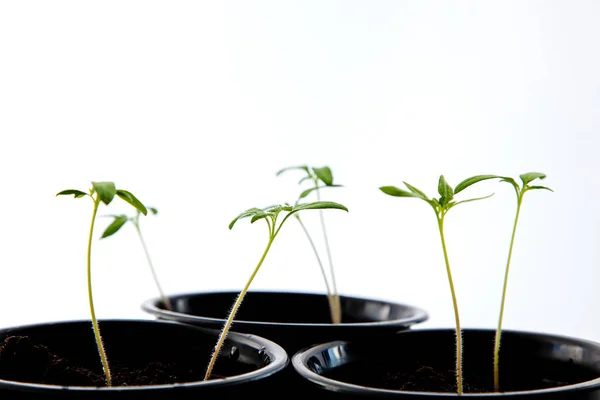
(273, 212)
(315, 174)
(446, 199)
(106, 193)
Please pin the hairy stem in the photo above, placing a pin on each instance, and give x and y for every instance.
(330, 297)
(336, 297)
(164, 298)
(233, 312)
(502, 302)
(459, 380)
(95, 326)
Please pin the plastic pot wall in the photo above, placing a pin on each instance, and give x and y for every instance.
(292, 319)
(532, 365)
(248, 364)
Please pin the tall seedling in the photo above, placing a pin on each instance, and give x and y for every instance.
(101, 192)
(520, 191)
(320, 178)
(270, 216)
(441, 206)
(118, 222)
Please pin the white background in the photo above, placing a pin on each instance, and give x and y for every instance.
(193, 106)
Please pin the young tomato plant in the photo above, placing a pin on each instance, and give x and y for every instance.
(520, 191)
(441, 207)
(320, 178)
(270, 215)
(101, 192)
(117, 224)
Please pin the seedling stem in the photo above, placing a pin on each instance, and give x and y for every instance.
(101, 192)
(270, 215)
(520, 192)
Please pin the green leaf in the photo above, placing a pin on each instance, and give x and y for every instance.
(324, 174)
(319, 205)
(472, 180)
(473, 199)
(76, 193)
(445, 191)
(539, 187)
(306, 178)
(249, 212)
(301, 167)
(269, 208)
(394, 191)
(106, 191)
(530, 176)
(259, 215)
(444, 201)
(279, 208)
(510, 180)
(153, 210)
(117, 223)
(416, 191)
(309, 191)
(275, 209)
(131, 199)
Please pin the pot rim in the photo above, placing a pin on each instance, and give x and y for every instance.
(150, 306)
(299, 362)
(278, 356)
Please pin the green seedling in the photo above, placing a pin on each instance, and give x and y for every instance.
(441, 206)
(520, 191)
(117, 224)
(270, 216)
(320, 178)
(101, 192)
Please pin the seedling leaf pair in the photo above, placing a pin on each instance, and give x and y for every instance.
(320, 177)
(526, 179)
(446, 200)
(441, 206)
(102, 192)
(106, 192)
(270, 215)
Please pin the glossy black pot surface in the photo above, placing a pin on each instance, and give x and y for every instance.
(247, 364)
(293, 320)
(532, 366)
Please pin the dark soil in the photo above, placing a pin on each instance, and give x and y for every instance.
(420, 377)
(24, 360)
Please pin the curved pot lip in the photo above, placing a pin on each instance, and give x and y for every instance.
(278, 355)
(299, 363)
(150, 306)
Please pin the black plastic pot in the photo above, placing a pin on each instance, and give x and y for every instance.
(532, 366)
(248, 364)
(293, 320)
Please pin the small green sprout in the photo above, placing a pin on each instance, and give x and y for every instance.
(117, 224)
(441, 207)
(101, 192)
(320, 178)
(520, 191)
(270, 216)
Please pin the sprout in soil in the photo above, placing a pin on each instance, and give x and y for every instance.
(118, 222)
(519, 191)
(441, 207)
(269, 215)
(320, 178)
(101, 192)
